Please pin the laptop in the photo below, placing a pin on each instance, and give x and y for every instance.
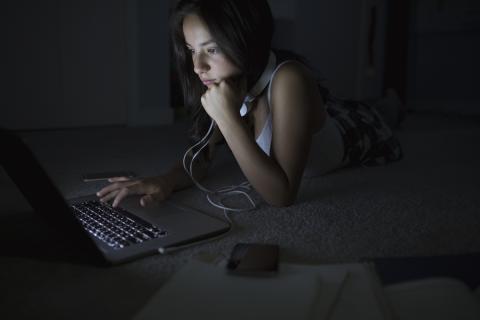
(109, 235)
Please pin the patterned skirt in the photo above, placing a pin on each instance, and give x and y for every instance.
(368, 140)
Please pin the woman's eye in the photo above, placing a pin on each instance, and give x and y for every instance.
(213, 50)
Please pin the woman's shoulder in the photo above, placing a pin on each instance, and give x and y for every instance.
(292, 69)
(294, 87)
(292, 75)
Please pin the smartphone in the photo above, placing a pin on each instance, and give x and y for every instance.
(97, 176)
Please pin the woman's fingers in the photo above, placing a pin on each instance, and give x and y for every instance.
(106, 190)
(152, 190)
(146, 200)
(120, 195)
(109, 196)
(152, 198)
(123, 190)
(114, 186)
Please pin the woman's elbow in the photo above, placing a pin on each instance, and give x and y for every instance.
(282, 201)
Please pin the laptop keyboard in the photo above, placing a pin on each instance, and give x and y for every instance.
(115, 226)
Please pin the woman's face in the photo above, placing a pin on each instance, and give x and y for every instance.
(209, 62)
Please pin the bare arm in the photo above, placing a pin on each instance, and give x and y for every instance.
(277, 177)
(159, 188)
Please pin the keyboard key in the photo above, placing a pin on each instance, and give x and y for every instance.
(115, 226)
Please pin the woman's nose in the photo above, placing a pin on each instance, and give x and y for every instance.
(199, 64)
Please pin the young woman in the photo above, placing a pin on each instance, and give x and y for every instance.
(279, 123)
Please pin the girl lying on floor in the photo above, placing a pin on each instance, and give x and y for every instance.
(279, 122)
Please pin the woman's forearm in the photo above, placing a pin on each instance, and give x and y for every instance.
(263, 173)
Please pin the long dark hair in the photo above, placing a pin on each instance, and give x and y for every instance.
(243, 29)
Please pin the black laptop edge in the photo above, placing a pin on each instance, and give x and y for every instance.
(33, 182)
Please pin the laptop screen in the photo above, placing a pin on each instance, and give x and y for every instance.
(31, 179)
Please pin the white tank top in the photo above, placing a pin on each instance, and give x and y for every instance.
(326, 152)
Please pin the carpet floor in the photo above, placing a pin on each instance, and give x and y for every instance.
(426, 204)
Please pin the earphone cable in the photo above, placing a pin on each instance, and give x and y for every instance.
(225, 191)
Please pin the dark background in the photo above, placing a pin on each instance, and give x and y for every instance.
(103, 66)
(80, 63)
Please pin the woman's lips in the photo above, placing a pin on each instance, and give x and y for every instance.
(208, 82)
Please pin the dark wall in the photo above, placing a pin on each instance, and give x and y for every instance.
(153, 58)
(66, 64)
(444, 64)
(334, 36)
(82, 62)
(426, 49)
(76, 63)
